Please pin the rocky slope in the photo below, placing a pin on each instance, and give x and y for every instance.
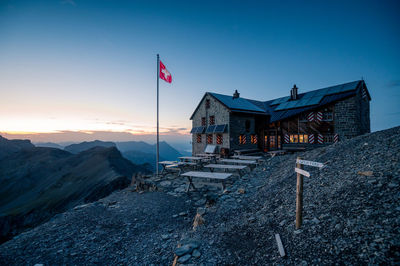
(351, 216)
(39, 182)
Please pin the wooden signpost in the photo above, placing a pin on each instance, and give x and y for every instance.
(299, 187)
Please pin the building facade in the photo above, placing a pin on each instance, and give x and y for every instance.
(306, 120)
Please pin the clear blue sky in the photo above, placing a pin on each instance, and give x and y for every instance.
(90, 65)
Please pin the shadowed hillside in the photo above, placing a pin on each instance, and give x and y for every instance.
(10, 146)
(39, 182)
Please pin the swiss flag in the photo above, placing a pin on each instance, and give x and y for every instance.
(164, 74)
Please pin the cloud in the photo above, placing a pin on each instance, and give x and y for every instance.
(68, 2)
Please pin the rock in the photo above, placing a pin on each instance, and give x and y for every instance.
(185, 249)
(200, 202)
(201, 211)
(182, 213)
(251, 219)
(282, 223)
(175, 215)
(315, 220)
(241, 191)
(393, 185)
(296, 232)
(165, 183)
(165, 236)
(196, 253)
(184, 258)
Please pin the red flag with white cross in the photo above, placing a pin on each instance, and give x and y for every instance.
(164, 73)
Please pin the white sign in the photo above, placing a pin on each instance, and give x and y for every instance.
(302, 172)
(310, 163)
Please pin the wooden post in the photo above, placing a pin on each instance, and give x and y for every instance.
(299, 197)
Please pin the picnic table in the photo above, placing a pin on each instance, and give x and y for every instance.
(169, 166)
(206, 175)
(247, 157)
(238, 168)
(250, 163)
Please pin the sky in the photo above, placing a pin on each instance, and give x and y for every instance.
(75, 70)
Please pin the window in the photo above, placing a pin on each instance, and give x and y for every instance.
(272, 141)
(198, 138)
(212, 120)
(208, 103)
(303, 138)
(294, 138)
(209, 139)
(254, 139)
(219, 139)
(247, 125)
(328, 138)
(327, 116)
(203, 121)
(298, 138)
(242, 139)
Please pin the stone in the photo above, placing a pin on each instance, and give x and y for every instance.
(185, 249)
(165, 236)
(165, 183)
(201, 211)
(315, 220)
(185, 258)
(200, 202)
(196, 253)
(182, 213)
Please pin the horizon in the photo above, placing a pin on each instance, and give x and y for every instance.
(81, 70)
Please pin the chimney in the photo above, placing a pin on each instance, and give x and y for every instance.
(293, 93)
(236, 94)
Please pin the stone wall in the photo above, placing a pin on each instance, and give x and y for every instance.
(351, 117)
(221, 114)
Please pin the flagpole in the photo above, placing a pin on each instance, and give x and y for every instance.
(158, 76)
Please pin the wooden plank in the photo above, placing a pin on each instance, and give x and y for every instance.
(302, 172)
(310, 163)
(220, 176)
(226, 166)
(299, 197)
(247, 157)
(280, 246)
(238, 161)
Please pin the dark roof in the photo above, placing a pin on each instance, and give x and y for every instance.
(236, 103)
(282, 108)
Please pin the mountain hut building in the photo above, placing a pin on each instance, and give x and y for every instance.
(299, 121)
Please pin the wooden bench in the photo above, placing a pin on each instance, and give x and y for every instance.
(238, 168)
(206, 175)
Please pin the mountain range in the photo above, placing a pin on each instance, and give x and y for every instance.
(38, 182)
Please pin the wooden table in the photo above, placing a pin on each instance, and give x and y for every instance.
(238, 168)
(207, 175)
(247, 157)
(250, 163)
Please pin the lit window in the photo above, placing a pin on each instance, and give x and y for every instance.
(219, 139)
(242, 139)
(203, 121)
(272, 141)
(198, 138)
(209, 139)
(303, 138)
(212, 120)
(294, 138)
(253, 139)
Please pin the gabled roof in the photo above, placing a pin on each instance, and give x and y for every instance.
(282, 108)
